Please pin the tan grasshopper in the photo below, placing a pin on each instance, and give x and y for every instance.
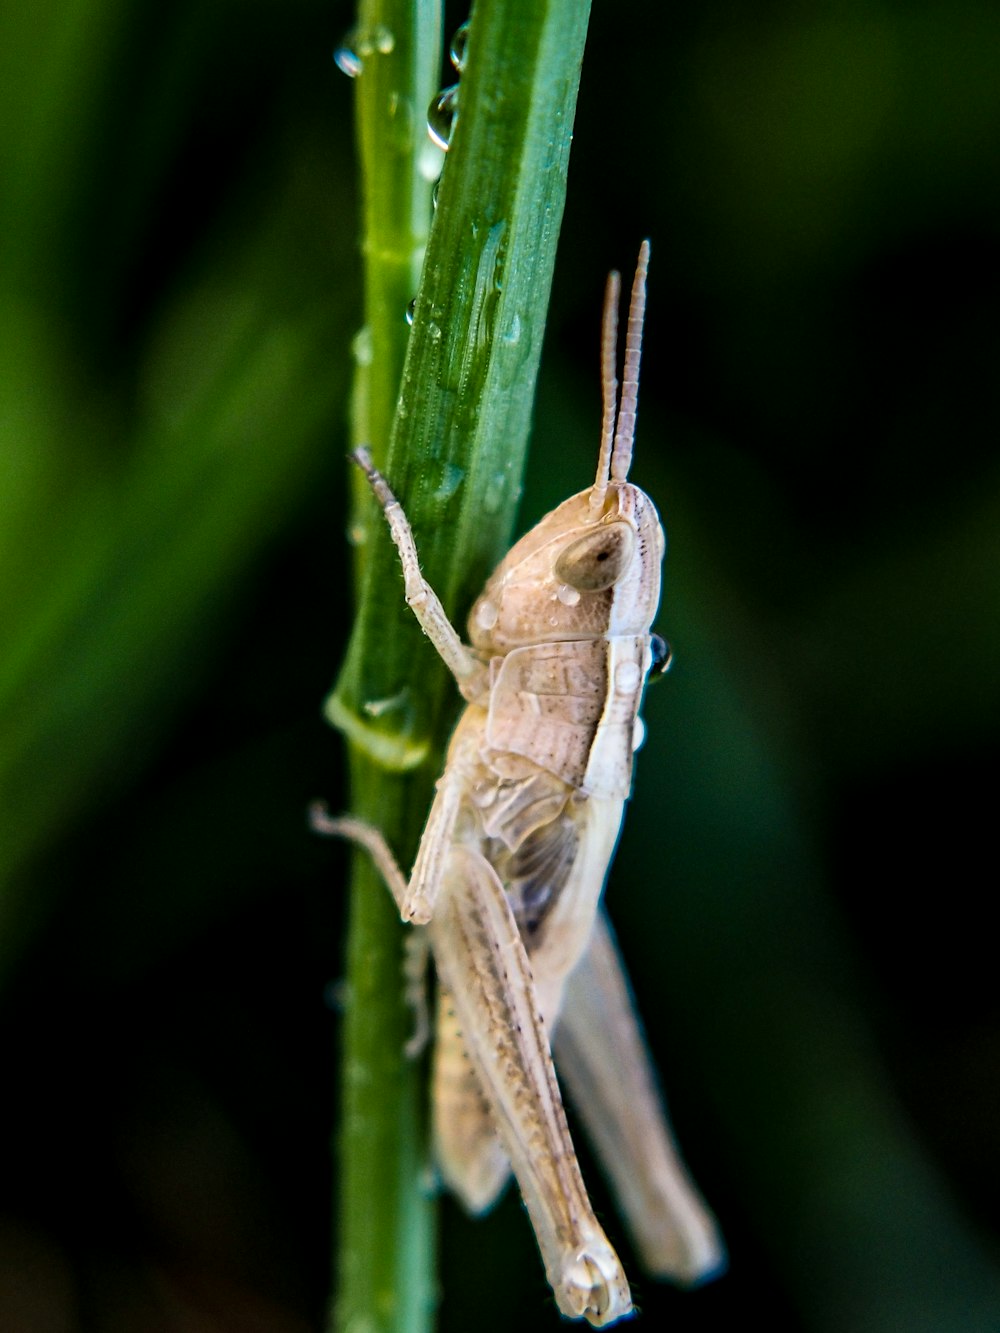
(509, 874)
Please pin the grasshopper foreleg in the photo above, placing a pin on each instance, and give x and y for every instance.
(469, 672)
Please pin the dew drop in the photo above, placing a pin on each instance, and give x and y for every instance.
(392, 703)
(459, 42)
(360, 43)
(638, 733)
(411, 310)
(487, 615)
(434, 332)
(357, 534)
(567, 595)
(435, 192)
(493, 499)
(450, 482)
(442, 115)
(402, 121)
(430, 160)
(660, 655)
(512, 334)
(363, 347)
(347, 60)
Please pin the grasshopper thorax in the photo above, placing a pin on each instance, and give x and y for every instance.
(591, 568)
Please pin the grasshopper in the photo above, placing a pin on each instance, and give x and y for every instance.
(510, 870)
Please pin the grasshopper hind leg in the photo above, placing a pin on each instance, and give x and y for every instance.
(481, 959)
(604, 1064)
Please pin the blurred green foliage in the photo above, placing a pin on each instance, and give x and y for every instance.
(802, 887)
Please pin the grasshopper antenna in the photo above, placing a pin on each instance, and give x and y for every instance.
(609, 384)
(621, 456)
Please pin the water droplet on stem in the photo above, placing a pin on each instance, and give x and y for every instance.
(459, 42)
(362, 346)
(494, 496)
(442, 115)
(347, 59)
(450, 482)
(383, 40)
(360, 43)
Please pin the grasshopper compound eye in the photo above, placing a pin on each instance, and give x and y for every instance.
(597, 560)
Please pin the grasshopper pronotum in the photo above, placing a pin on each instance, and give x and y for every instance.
(508, 878)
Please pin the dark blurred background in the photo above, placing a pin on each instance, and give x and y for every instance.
(802, 888)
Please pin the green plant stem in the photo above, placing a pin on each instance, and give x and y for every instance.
(455, 456)
(383, 1263)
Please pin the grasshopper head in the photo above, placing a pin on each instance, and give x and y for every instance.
(591, 567)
